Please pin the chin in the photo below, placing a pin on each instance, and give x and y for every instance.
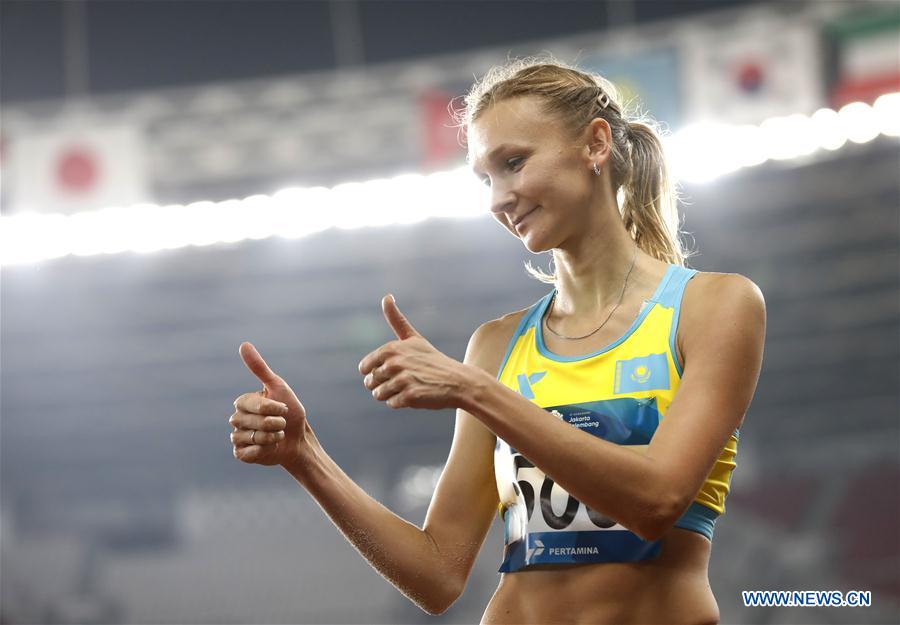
(535, 243)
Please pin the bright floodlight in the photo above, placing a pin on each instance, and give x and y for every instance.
(859, 122)
(789, 137)
(887, 111)
(698, 153)
(702, 152)
(828, 128)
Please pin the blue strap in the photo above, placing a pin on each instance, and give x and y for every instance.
(527, 320)
(670, 296)
(671, 292)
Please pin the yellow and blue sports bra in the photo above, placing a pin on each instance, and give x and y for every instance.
(620, 394)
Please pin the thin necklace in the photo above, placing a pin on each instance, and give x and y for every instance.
(621, 295)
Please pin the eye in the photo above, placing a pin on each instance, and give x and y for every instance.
(511, 163)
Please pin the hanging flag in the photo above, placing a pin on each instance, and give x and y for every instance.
(751, 72)
(440, 138)
(648, 79)
(865, 49)
(74, 169)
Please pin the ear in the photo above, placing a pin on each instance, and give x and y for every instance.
(599, 139)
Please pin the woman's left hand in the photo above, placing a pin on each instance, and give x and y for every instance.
(410, 372)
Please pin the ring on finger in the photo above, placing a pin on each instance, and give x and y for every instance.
(253, 437)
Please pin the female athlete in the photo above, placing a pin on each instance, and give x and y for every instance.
(602, 421)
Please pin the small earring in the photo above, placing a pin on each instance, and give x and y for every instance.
(596, 169)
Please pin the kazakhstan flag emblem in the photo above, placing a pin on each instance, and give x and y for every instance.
(643, 373)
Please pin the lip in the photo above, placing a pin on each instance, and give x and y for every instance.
(522, 218)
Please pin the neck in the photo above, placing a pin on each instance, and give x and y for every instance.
(590, 278)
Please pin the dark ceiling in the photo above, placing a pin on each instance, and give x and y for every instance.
(51, 48)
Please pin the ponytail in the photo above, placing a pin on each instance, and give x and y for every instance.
(649, 205)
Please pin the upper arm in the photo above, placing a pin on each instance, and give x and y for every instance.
(465, 500)
(723, 326)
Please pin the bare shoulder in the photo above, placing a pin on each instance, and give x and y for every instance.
(712, 284)
(708, 288)
(717, 298)
(490, 340)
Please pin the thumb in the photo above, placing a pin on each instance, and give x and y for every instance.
(257, 365)
(398, 322)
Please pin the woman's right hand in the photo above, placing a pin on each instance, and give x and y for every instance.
(275, 415)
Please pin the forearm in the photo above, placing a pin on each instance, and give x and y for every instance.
(619, 482)
(404, 554)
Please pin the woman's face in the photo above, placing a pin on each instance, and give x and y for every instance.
(540, 179)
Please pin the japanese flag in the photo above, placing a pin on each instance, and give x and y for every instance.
(75, 169)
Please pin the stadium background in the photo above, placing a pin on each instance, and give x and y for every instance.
(121, 501)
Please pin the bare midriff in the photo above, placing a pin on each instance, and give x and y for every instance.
(671, 588)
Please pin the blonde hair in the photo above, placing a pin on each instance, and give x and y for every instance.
(648, 201)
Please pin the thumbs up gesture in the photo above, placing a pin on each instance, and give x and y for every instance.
(269, 425)
(410, 372)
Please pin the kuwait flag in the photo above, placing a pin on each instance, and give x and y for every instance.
(865, 52)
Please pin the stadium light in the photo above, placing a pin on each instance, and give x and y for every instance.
(887, 110)
(706, 151)
(859, 121)
(698, 153)
(828, 129)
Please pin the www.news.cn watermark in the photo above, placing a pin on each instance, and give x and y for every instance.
(810, 598)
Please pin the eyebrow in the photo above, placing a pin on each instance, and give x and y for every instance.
(492, 154)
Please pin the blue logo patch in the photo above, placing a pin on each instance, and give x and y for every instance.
(643, 373)
(525, 382)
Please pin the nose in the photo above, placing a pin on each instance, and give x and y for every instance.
(503, 199)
